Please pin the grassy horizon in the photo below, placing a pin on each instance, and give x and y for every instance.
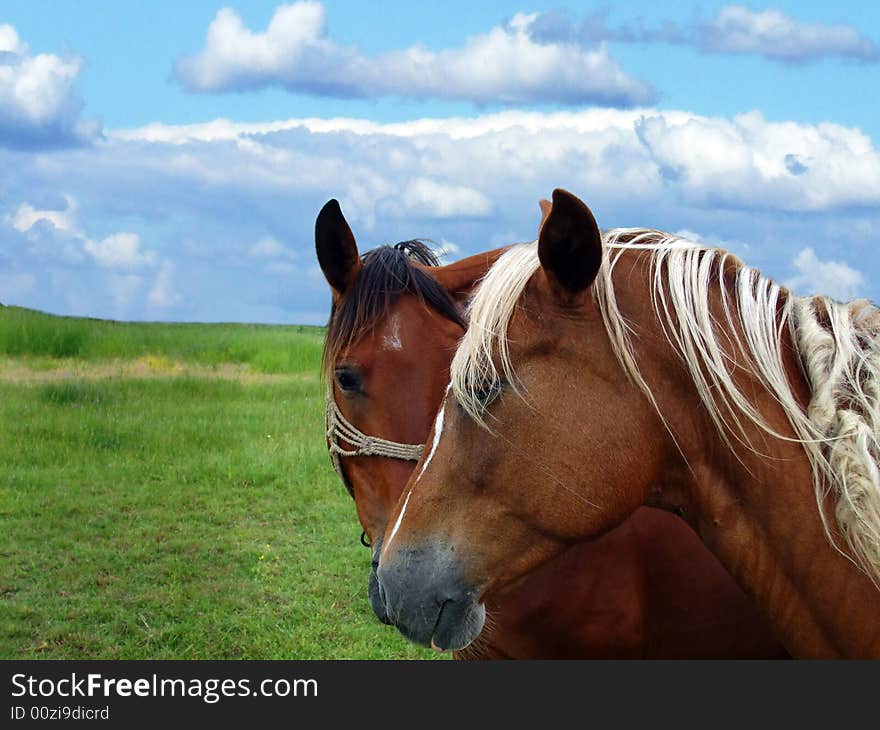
(184, 508)
(265, 348)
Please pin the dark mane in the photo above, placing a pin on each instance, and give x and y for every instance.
(387, 272)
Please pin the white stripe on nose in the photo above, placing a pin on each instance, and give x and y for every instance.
(438, 429)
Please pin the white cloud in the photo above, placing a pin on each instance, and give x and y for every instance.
(438, 168)
(771, 33)
(163, 294)
(833, 278)
(120, 251)
(588, 121)
(63, 220)
(38, 103)
(9, 40)
(503, 66)
(428, 198)
(196, 194)
(746, 162)
(51, 233)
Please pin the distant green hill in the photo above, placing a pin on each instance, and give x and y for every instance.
(265, 348)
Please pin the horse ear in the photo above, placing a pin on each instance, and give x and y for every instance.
(546, 206)
(336, 247)
(570, 244)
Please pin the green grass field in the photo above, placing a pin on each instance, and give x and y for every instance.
(166, 493)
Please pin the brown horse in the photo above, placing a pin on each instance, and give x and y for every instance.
(646, 589)
(604, 372)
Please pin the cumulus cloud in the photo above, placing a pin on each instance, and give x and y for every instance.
(734, 30)
(428, 198)
(833, 278)
(26, 217)
(449, 168)
(10, 43)
(234, 205)
(503, 66)
(121, 251)
(39, 106)
(747, 162)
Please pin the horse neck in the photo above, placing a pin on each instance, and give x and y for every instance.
(760, 517)
(757, 509)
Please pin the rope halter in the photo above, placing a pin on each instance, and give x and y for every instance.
(340, 429)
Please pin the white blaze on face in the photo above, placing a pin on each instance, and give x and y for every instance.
(438, 430)
(391, 338)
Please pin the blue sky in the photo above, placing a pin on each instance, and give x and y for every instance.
(754, 127)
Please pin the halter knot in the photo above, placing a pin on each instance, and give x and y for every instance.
(340, 429)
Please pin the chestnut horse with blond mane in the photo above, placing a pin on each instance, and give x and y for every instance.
(603, 372)
(646, 589)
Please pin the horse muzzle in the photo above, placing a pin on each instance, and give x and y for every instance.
(422, 592)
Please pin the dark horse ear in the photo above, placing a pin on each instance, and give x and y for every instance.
(570, 244)
(336, 247)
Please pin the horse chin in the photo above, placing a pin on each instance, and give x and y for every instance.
(458, 624)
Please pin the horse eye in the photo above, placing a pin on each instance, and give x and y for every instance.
(348, 380)
(488, 390)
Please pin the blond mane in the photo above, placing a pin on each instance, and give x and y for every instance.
(838, 346)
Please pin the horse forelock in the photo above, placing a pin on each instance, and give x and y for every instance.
(838, 345)
(387, 273)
